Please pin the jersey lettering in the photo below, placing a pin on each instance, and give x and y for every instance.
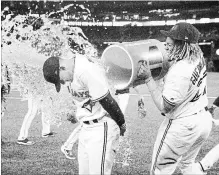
(196, 97)
(200, 81)
(197, 79)
(82, 94)
(197, 71)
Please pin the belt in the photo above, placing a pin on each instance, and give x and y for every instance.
(92, 121)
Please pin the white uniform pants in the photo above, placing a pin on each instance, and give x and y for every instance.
(33, 105)
(179, 141)
(210, 158)
(213, 155)
(97, 147)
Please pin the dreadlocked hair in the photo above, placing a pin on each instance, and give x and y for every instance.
(186, 51)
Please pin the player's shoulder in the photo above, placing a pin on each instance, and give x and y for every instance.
(81, 58)
(84, 66)
(182, 68)
(81, 63)
(183, 65)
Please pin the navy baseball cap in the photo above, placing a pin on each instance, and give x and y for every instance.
(183, 31)
(51, 71)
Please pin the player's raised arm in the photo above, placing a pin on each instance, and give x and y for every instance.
(156, 93)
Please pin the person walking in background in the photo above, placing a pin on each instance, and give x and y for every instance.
(98, 136)
(212, 156)
(34, 104)
(183, 102)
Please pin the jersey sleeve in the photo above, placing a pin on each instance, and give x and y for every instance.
(176, 86)
(96, 83)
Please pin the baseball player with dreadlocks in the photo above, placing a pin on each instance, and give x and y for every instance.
(183, 102)
(98, 134)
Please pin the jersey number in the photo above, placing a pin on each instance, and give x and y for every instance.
(198, 95)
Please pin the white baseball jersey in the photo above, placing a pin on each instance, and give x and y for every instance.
(97, 142)
(88, 87)
(186, 88)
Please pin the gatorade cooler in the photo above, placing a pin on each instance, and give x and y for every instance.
(121, 61)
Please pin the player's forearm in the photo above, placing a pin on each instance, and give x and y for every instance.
(156, 94)
(112, 107)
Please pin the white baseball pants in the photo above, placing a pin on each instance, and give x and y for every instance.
(97, 147)
(179, 141)
(210, 158)
(33, 105)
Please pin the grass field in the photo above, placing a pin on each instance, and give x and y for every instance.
(45, 157)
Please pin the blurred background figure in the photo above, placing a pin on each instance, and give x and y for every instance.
(34, 104)
(5, 86)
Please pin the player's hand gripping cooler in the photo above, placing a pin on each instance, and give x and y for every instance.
(122, 61)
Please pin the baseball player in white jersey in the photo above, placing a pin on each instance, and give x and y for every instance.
(99, 133)
(201, 168)
(183, 101)
(66, 148)
(33, 106)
